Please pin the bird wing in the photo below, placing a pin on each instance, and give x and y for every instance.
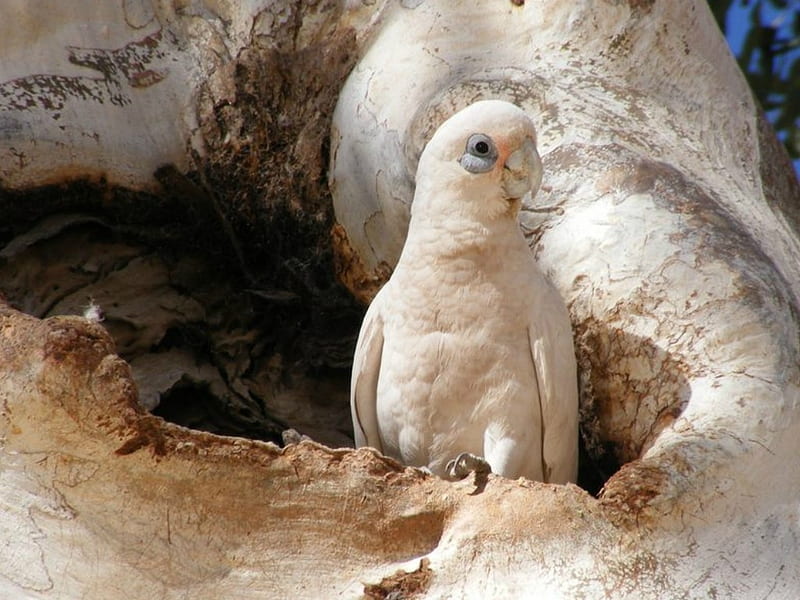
(556, 374)
(364, 379)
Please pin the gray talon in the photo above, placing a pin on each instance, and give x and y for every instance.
(292, 436)
(466, 463)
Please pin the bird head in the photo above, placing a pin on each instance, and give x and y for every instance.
(480, 163)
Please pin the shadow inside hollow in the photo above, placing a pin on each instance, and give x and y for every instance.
(631, 390)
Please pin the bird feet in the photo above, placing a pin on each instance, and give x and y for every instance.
(466, 463)
(292, 436)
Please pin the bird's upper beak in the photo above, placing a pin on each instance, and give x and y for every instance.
(522, 172)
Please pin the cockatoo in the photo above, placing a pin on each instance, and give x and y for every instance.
(465, 356)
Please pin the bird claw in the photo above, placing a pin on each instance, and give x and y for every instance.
(466, 463)
(292, 436)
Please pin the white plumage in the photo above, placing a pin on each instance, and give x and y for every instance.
(468, 348)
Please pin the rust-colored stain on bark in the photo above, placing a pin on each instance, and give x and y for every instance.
(145, 78)
(149, 432)
(402, 584)
(350, 269)
(629, 493)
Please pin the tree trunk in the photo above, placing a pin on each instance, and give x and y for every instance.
(164, 173)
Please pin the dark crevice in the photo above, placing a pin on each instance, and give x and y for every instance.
(595, 470)
(193, 405)
(210, 347)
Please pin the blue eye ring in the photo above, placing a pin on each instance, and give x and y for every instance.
(480, 154)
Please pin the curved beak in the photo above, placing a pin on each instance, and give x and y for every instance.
(522, 172)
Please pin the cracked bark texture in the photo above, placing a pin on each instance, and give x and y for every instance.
(167, 161)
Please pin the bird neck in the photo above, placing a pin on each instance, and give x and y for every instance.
(431, 237)
(455, 221)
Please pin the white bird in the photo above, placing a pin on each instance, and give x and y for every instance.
(467, 352)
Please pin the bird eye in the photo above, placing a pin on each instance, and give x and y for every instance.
(480, 154)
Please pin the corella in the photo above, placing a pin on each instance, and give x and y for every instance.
(465, 358)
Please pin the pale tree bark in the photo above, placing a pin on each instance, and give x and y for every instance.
(167, 162)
